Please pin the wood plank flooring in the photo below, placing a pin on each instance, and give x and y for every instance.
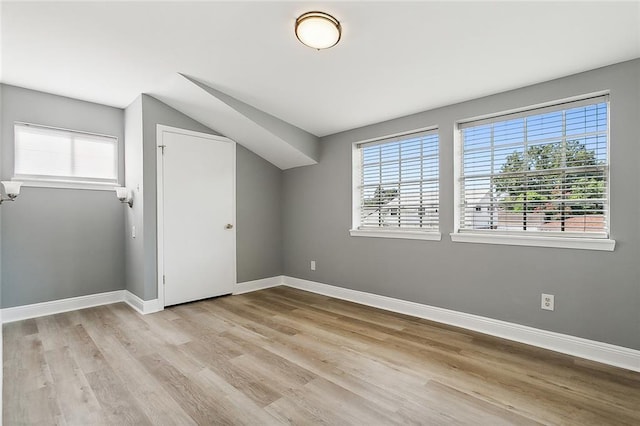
(284, 356)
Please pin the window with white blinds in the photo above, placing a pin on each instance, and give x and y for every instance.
(543, 171)
(64, 156)
(398, 183)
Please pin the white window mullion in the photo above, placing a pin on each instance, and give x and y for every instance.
(525, 155)
(379, 210)
(563, 173)
(491, 187)
(421, 210)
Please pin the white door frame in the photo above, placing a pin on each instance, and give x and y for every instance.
(160, 130)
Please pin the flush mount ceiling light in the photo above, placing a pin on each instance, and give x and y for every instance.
(318, 30)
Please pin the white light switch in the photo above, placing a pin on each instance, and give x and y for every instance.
(313, 265)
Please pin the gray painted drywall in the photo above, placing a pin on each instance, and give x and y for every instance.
(1, 328)
(259, 253)
(597, 294)
(142, 121)
(1, 142)
(134, 247)
(258, 217)
(59, 243)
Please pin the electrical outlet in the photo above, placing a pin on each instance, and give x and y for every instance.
(313, 265)
(547, 302)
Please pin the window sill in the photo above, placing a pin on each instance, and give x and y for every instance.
(603, 244)
(93, 186)
(406, 235)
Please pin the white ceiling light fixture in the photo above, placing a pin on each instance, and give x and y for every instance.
(318, 30)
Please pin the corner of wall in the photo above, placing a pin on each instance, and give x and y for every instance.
(1, 328)
(134, 219)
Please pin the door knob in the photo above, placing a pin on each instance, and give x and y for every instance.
(228, 226)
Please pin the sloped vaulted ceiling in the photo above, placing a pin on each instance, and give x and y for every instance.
(275, 140)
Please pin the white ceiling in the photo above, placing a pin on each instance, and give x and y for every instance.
(394, 59)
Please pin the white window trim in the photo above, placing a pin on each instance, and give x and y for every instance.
(46, 182)
(399, 234)
(36, 183)
(603, 244)
(536, 240)
(356, 168)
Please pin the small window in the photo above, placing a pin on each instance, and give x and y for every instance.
(397, 183)
(58, 157)
(542, 172)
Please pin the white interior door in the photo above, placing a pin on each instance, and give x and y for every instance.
(196, 215)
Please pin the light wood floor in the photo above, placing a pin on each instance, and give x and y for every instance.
(282, 356)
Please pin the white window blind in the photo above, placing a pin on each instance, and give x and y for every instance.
(56, 155)
(543, 171)
(399, 179)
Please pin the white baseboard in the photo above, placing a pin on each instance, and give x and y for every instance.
(583, 348)
(142, 306)
(249, 286)
(35, 310)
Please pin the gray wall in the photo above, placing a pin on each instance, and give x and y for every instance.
(258, 217)
(597, 293)
(1, 328)
(134, 247)
(59, 243)
(1, 142)
(259, 252)
(155, 112)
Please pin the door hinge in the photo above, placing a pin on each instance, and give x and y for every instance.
(162, 147)
(164, 281)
